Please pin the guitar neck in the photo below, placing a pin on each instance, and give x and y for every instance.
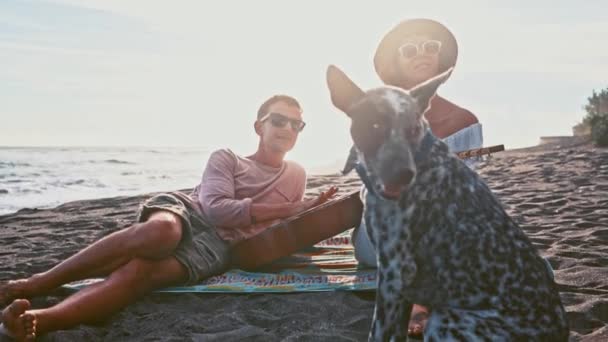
(484, 151)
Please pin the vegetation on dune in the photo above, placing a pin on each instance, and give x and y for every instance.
(596, 120)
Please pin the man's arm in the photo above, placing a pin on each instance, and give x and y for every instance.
(216, 192)
(216, 197)
(264, 211)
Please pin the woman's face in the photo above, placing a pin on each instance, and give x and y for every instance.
(417, 60)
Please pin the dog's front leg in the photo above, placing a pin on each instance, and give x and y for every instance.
(391, 314)
(408, 272)
(379, 328)
(386, 310)
(405, 311)
(391, 318)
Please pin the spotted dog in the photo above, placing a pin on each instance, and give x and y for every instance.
(442, 238)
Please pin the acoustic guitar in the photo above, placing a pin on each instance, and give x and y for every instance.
(298, 232)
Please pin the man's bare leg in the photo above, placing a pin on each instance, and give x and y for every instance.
(100, 300)
(153, 239)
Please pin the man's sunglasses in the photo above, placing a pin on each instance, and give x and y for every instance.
(427, 48)
(279, 120)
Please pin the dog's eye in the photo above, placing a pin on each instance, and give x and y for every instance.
(368, 134)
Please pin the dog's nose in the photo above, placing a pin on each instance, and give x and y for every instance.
(404, 176)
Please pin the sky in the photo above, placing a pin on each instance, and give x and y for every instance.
(193, 73)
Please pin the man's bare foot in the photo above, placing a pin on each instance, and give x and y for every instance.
(418, 319)
(11, 290)
(20, 324)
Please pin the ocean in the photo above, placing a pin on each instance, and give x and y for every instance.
(44, 177)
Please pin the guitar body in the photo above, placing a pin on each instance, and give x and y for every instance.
(298, 232)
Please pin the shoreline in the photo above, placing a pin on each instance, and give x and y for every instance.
(329, 170)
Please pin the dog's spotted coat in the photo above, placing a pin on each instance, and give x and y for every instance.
(445, 242)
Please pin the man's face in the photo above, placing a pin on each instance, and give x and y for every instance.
(277, 138)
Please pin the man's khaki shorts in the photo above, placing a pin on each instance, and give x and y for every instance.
(201, 251)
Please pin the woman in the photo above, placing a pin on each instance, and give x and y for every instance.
(411, 53)
(415, 51)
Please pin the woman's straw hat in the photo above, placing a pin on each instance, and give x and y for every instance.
(384, 60)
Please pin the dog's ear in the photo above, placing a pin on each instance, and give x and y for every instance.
(424, 92)
(351, 161)
(344, 92)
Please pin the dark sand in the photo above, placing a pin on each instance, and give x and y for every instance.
(559, 194)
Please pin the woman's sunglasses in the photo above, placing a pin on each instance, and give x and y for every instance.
(279, 120)
(427, 48)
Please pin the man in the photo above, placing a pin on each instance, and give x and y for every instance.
(180, 239)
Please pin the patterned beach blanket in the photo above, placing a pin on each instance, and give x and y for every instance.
(327, 266)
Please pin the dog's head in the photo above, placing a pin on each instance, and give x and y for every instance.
(387, 127)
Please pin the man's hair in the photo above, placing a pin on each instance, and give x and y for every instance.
(290, 101)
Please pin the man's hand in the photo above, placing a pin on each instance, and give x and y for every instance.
(320, 199)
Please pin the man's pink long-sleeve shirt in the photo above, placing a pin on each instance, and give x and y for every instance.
(231, 183)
